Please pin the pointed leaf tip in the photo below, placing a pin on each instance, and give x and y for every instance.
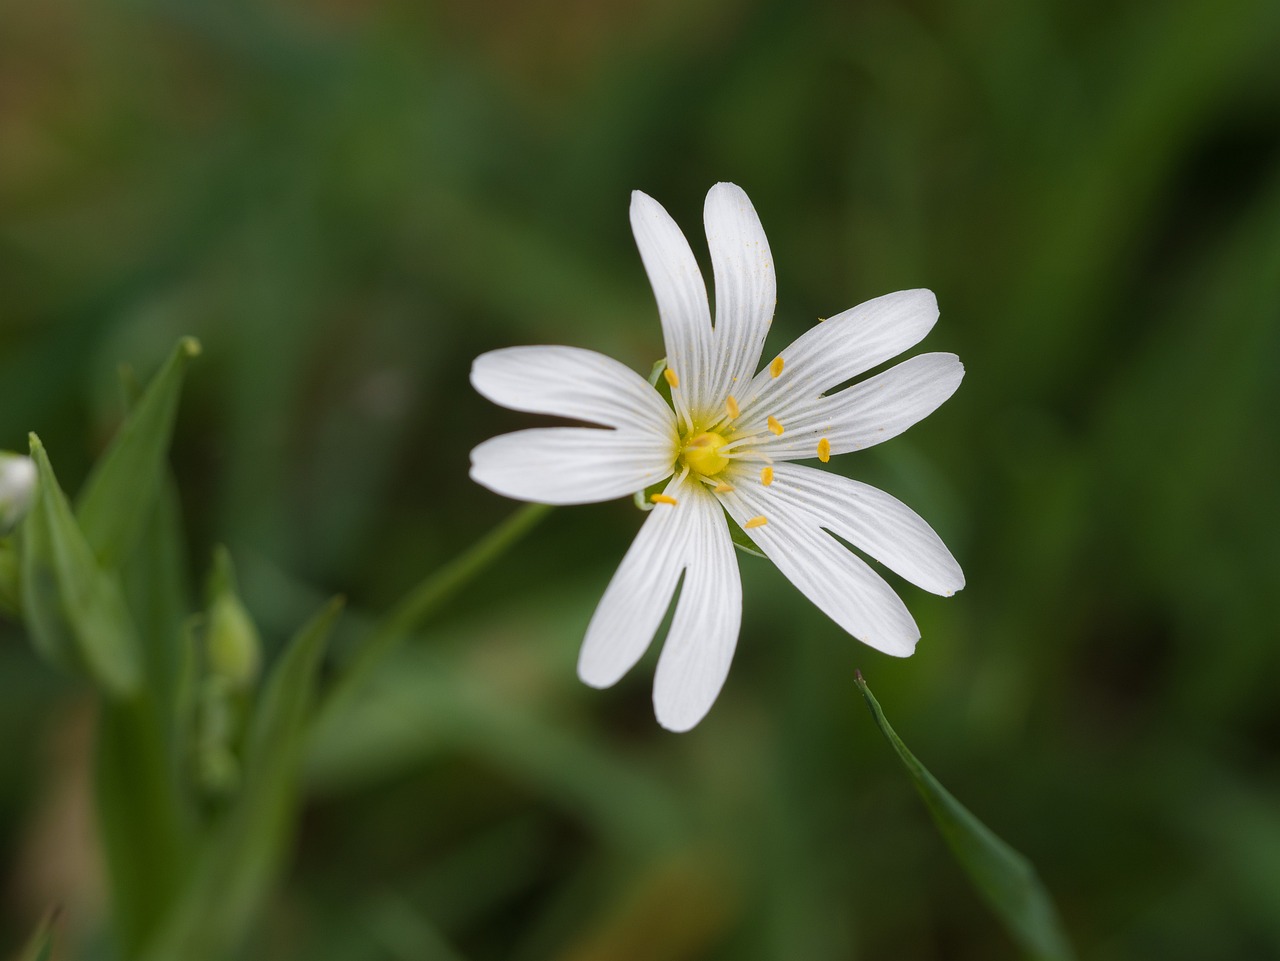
(1005, 879)
(115, 502)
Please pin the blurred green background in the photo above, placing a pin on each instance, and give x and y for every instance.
(347, 200)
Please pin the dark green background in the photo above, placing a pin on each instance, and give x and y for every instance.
(346, 201)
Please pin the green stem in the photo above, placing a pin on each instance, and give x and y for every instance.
(424, 599)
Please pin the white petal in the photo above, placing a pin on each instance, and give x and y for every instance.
(840, 348)
(704, 632)
(863, 415)
(745, 288)
(571, 382)
(874, 522)
(639, 594)
(682, 300)
(571, 465)
(839, 582)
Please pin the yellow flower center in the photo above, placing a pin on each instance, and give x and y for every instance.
(701, 454)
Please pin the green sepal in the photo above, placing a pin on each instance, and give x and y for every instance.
(742, 540)
(641, 498)
(1005, 879)
(75, 611)
(237, 866)
(117, 499)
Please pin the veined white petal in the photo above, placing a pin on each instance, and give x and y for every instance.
(841, 348)
(639, 594)
(571, 465)
(682, 301)
(874, 522)
(704, 632)
(863, 415)
(745, 288)
(571, 382)
(829, 574)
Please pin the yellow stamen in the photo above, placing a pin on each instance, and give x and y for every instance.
(702, 454)
(822, 320)
(758, 521)
(663, 499)
(774, 425)
(723, 488)
(766, 476)
(671, 377)
(824, 450)
(775, 369)
(731, 405)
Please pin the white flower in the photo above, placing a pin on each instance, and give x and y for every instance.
(727, 448)
(17, 488)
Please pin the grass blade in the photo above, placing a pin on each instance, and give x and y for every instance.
(1004, 877)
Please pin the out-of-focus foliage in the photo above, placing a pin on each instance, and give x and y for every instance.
(346, 201)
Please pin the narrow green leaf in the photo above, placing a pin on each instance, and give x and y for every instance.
(236, 869)
(146, 813)
(156, 589)
(1004, 877)
(117, 499)
(75, 611)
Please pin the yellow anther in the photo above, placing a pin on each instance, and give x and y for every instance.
(824, 450)
(774, 425)
(702, 454)
(663, 499)
(731, 405)
(671, 377)
(822, 320)
(766, 476)
(758, 521)
(775, 369)
(723, 488)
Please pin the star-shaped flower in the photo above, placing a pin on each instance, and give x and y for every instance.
(727, 447)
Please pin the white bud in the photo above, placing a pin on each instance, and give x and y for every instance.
(17, 488)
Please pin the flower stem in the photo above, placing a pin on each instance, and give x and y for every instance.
(426, 598)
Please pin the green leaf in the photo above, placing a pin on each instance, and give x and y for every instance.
(1003, 876)
(75, 610)
(237, 867)
(116, 502)
(146, 812)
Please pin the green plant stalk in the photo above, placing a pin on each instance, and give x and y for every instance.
(424, 600)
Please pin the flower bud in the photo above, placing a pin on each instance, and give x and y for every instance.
(232, 644)
(17, 488)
